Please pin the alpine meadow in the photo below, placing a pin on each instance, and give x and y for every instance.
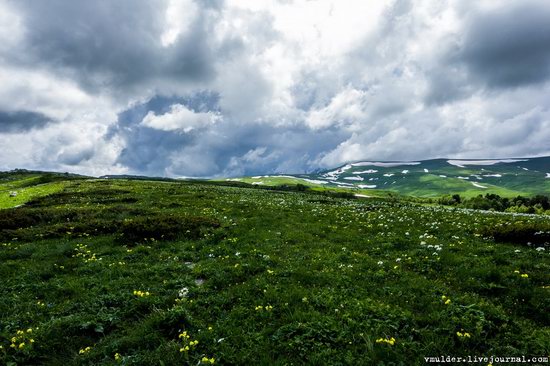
(297, 182)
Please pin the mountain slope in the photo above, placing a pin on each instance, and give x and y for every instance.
(430, 178)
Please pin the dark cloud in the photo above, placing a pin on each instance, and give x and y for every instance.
(500, 48)
(147, 149)
(115, 46)
(19, 121)
(447, 83)
(509, 46)
(230, 148)
(76, 157)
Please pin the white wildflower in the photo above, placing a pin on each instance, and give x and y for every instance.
(183, 292)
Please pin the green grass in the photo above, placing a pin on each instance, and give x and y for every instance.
(260, 277)
(430, 185)
(26, 193)
(274, 181)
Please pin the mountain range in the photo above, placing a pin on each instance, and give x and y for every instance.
(427, 178)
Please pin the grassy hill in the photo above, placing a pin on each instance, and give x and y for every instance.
(136, 272)
(429, 178)
(19, 186)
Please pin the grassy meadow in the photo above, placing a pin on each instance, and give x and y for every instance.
(128, 272)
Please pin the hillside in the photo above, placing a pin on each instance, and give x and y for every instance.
(429, 178)
(135, 272)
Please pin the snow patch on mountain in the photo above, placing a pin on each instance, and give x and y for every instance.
(463, 163)
(386, 165)
(370, 186)
(354, 178)
(370, 171)
(478, 185)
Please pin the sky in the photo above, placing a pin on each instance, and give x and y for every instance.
(213, 88)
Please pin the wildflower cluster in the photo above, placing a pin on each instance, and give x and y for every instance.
(83, 351)
(522, 275)
(188, 343)
(119, 263)
(139, 293)
(22, 339)
(86, 254)
(463, 334)
(446, 300)
(390, 341)
(266, 308)
(208, 360)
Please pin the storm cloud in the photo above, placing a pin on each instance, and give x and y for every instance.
(19, 121)
(228, 88)
(509, 46)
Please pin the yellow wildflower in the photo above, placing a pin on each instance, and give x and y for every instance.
(84, 350)
(390, 341)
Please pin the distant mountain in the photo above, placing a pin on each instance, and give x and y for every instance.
(135, 177)
(428, 178)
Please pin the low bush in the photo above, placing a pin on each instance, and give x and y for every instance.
(164, 228)
(519, 232)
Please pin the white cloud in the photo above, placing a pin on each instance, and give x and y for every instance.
(179, 118)
(179, 16)
(344, 110)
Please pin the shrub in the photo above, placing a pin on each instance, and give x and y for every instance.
(519, 233)
(17, 218)
(164, 227)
